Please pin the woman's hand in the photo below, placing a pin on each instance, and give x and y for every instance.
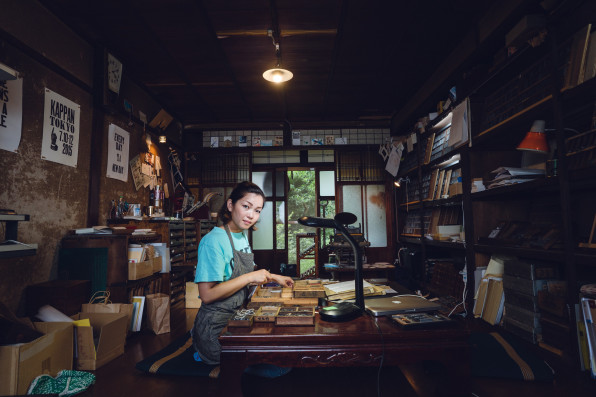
(284, 281)
(259, 276)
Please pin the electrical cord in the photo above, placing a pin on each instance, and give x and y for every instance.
(374, 319)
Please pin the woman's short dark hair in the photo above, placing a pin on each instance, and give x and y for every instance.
(241, 190)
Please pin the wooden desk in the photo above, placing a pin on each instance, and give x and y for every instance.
(349, 344)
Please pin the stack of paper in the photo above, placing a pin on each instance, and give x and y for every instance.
(510, 175)
(143, 232)
(347, 290)
(94, 230)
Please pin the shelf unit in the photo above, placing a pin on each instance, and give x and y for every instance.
(182, 238)
(11, 222)
(504, 103)
(103, 259)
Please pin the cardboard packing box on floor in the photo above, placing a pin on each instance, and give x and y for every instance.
(49, 354)
(111, 330)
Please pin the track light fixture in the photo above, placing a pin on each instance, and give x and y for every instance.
(399, 181)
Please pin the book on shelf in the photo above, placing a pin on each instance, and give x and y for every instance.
(590, 65)
(490, 299)
(582, 339)
(575, 72)
(447, 180)
(589, 312)
(138, 303)
(429, 148)
(439, 189)
(432, 187)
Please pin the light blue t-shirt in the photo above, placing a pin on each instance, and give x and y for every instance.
(215, 254)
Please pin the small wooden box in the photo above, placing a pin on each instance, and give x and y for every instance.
(242, 318)
(296, 315)
(309, 289)
(266, 314)
(286, 298)
(269, 292)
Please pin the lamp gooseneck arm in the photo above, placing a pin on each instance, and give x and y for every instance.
(357, 263)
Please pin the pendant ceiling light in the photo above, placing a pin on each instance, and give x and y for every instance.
(277, 74)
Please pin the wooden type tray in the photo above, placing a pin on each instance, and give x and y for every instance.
(286, 298)
(296, 315)
(266, 314)
(242, 318)
(309, 289)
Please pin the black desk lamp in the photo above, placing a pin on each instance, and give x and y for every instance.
(343, 311)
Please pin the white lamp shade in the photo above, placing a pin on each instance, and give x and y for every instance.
(277, 75)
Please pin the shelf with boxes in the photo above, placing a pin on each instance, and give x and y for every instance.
(532, 204)
(541, 213)
(181, 238)
(103, 259)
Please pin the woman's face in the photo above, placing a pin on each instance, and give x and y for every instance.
(245, 212)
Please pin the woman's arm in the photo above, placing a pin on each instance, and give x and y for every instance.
(210, 292)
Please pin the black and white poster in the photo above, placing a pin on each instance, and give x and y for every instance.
(118, 146)
(11, 113)
(61, 118)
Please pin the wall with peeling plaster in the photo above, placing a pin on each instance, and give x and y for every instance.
(55, 195)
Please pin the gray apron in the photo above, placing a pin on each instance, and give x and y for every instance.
(213, 317)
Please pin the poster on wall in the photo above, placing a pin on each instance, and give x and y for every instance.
(118, 143)
(61, 119)
(11, 114)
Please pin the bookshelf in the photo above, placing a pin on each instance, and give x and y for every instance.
(544, 221)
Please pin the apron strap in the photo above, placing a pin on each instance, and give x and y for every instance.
(230, 237)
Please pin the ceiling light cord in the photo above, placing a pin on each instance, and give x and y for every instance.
(278, 74)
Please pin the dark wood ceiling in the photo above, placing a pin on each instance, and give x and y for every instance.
(203, 60)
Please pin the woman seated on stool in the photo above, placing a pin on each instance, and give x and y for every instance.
(225, 269)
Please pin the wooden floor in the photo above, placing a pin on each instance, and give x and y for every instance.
(120, 378)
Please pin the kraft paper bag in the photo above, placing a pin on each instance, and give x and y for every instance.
(100, 303)
(158, 313)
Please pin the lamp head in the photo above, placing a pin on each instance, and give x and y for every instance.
(277, 75)
(317, 222)
(398, 182)
(535, 139)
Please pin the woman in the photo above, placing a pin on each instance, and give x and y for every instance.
(225, 269)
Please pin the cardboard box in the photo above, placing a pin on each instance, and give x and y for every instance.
(192, 295)
(50, 354)
(455, 189)
(111, 329)
(156, 264)
(164, 256)
(138, 270)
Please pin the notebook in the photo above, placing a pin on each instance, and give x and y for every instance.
(399, 304)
